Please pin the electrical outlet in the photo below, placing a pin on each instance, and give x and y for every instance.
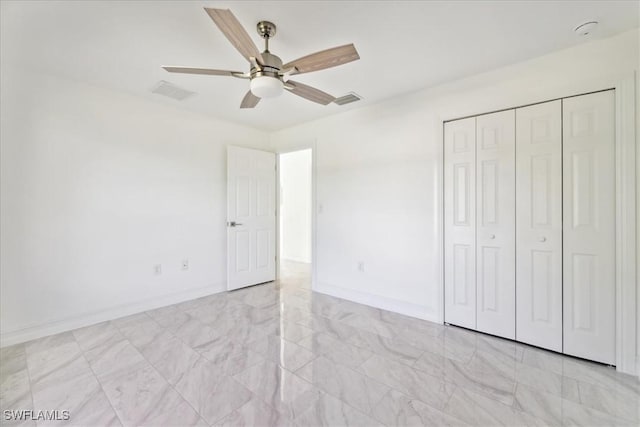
(185, 264)
(157, 269)
(361, 266)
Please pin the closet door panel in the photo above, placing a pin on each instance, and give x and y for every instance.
(495, 175)
(459, 220)
(589, 226)
(539, 225)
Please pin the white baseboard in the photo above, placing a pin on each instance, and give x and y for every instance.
(300, 260)
(385, 303)
(67, 324)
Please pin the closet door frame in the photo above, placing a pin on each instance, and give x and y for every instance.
(626, 155)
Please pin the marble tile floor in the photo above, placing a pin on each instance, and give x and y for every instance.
(280, 354)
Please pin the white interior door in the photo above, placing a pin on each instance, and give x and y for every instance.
(460, 222)
(589, 226)
(495, 223)
(251, 217)
(539, 225)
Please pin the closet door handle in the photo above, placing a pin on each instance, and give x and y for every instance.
(492, 236)
(542, 239)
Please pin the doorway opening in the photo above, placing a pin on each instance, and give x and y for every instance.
(295, 224)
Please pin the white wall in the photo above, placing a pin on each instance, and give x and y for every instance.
(97, 188)
(295, 206)
(378, 171)
(81, 231)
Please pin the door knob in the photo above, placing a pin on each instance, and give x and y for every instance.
(492, 236)
(543, 239)
(233, 224)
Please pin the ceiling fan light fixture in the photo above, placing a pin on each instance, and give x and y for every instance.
(266, 86)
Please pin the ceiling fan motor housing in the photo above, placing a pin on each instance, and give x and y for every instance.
(271, 66)
(266, 81)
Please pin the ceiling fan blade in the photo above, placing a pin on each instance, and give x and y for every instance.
(235, 33)
(308, 92)
(249, 100)
(324, 59)
(205, 71)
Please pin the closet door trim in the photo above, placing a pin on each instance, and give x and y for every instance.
(627, 333)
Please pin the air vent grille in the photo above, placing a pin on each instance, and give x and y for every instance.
(348, 99)
(172, 91)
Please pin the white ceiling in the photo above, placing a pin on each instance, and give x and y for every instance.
(403, 45)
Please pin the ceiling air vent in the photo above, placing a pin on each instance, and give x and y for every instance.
(348, 98)
(172, 91)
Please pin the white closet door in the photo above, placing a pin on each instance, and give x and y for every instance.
(539, 225)
(495, 224)
(589, 226)
(459, 222)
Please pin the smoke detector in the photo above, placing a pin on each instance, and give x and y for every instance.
(585, 29)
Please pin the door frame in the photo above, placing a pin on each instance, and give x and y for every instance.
(627, 330)
(627, 185)
(309, 145)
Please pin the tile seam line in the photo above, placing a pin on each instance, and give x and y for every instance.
(82, 352)
(156, 369)
(26, 362)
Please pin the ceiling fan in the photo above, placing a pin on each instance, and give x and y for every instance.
(268, 76)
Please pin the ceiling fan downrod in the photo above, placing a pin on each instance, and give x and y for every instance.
(266, 30)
